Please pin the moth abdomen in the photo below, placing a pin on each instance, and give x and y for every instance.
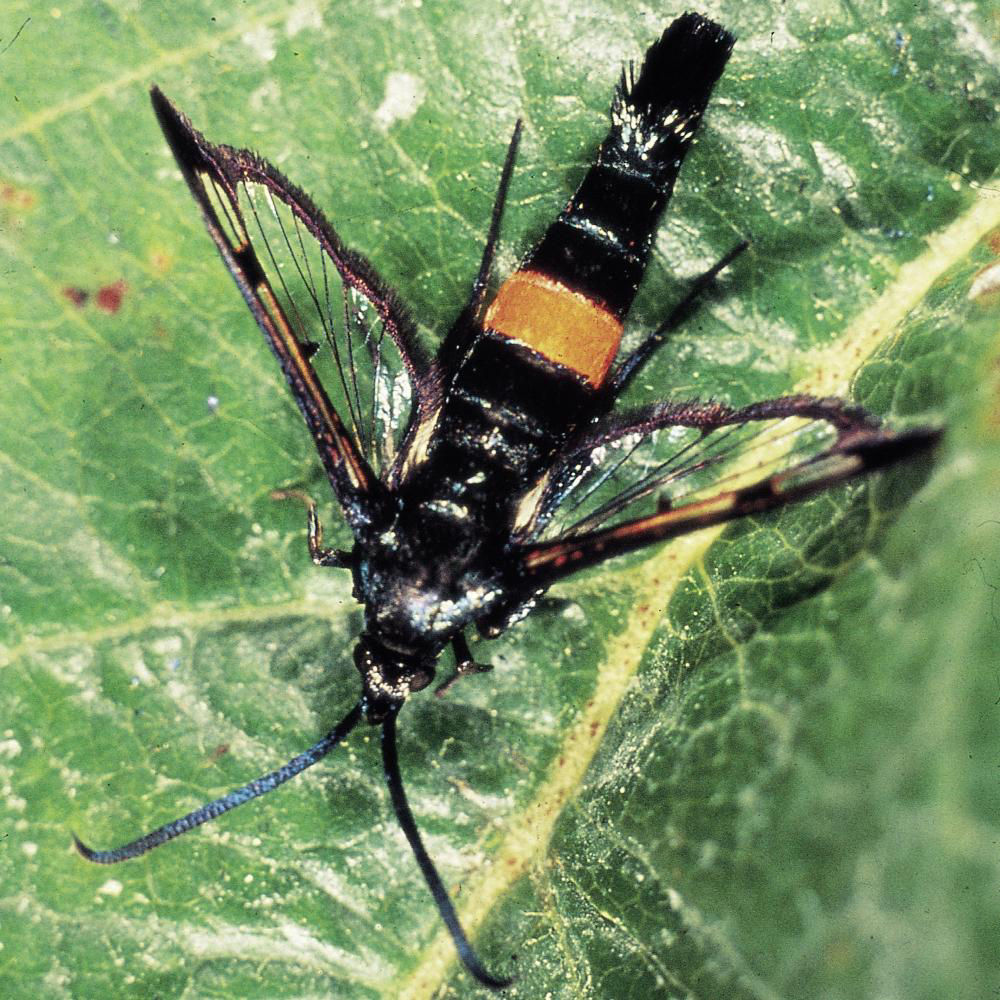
(655, 115)
(570, 297)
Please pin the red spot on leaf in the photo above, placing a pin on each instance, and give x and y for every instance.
(78, 296)
(17, 197)
(109, 297)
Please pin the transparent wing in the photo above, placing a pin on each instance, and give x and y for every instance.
(673, 454)
(361, 346)
(339, 332)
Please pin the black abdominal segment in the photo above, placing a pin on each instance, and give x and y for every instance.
(505, 415)
(527, 382)
(600, 243)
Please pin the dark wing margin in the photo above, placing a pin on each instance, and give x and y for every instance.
(686, 466)
(303, 287)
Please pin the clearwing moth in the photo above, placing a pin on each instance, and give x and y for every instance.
(473, 481)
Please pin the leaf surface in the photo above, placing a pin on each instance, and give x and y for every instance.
(752, 764)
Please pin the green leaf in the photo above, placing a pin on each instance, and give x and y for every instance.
(759, 763)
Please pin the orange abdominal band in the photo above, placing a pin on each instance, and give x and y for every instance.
(559, 324)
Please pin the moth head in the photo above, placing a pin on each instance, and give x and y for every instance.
(388, 676)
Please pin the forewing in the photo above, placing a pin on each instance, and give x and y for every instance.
(341, 337)
(670, 455)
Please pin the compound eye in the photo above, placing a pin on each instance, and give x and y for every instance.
(421, 677)
(363, 659)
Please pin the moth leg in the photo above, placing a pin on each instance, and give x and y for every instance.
(467, 326)
(481, 286)
(634, 362)
(319, 555)
(464, 664)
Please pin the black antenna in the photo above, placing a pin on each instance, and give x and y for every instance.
(401, 807)
(252, 790)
